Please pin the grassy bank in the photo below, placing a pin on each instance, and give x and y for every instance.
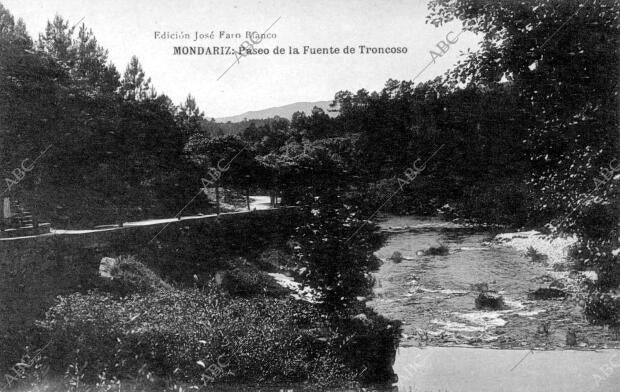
(135, 329)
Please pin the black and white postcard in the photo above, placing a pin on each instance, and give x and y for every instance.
(309, 195)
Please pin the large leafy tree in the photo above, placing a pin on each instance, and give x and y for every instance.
(335, 252)
(225, 161)
(563, 57)
(267, 138)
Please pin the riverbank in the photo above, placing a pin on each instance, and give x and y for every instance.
(136, 330)
(563, 313)
(203, 306)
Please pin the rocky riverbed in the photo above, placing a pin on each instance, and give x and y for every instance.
(435, 296)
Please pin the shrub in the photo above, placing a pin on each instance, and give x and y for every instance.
(371, 341)
(248, 283)
(181, 251)
(603, 309)
(131, 276)
(502, 203)
(573, 255)
(335, 252)
(166, 334)
(594, 219)
(273, 260)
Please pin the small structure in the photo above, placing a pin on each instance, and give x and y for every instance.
(18, 222)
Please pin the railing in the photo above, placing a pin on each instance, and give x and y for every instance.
(19, 222)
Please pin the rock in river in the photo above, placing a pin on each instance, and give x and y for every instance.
(487, 300)
(546, 293)
(396, 257)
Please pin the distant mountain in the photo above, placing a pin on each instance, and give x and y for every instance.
(285, 111)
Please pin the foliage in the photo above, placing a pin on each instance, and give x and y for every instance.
(135, 86)
(603, 309)
(180, 251)
(113, 140)
(130, 276)
(563, 58)
(250, 283)
(317, 125)
(268, 137)
(225, 161)
(273, 260)
(301, 165)
(174, 333)
(507, 202)
(480, 129)
(335, 251)
(370, 342)
(189, 118)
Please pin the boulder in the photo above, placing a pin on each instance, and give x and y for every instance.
(544, 328)
(125, 275)
(106, 267)
(571, 338)
(362, 319)
(219, 277)
(396, 257)
(557, 284)
(546, 293)
(440, 250)
(488, 300)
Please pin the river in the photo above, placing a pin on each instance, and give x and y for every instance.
(451, 346)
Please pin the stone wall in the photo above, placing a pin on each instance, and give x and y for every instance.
(34, 270)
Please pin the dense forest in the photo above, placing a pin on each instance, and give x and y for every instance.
(527, 125)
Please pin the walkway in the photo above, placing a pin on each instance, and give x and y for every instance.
(257, 203)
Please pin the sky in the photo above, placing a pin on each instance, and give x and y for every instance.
(128, 27)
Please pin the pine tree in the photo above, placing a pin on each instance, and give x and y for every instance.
(134, 85)
(189, 118)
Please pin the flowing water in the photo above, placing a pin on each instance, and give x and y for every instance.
(434, 297)
(449, 345)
